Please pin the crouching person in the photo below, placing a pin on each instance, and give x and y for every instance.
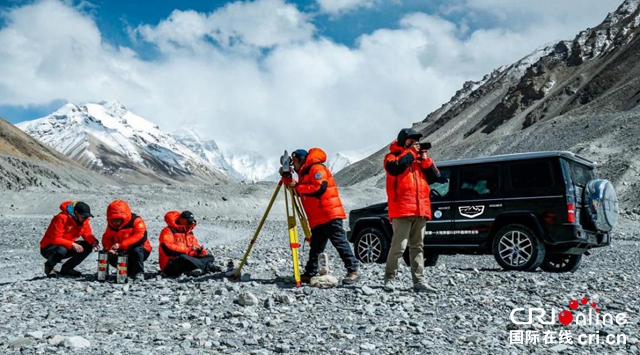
(60, 241)
(126, 233)
(180, 252)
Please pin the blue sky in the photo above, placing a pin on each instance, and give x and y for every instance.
(367, 67)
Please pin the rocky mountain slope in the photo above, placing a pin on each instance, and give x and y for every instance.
(109, 139)
(25, 162)
(580, 95)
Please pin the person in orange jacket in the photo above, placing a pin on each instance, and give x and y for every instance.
(179, 250)
(126, 233)
(323, 207)
(409, 206)
(60, 239)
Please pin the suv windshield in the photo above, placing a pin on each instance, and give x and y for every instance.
(580, 174)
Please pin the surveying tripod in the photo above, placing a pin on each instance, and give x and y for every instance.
(290, 194)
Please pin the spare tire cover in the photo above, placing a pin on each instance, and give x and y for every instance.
(602, 204)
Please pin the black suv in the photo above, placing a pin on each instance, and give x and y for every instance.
(529, 210)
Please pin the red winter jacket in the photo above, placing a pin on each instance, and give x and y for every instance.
(318, 190)
(176, 240)
(64, 230)
(132, 231)
(407, 188)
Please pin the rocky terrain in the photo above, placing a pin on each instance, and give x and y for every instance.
(263, 313)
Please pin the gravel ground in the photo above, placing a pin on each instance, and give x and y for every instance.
(469, 314)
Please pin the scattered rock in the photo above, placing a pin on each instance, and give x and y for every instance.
(368, 291)
(76, 342)
(323, 281)
(247, 299)
(20, 342)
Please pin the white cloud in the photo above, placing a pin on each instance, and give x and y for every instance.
(341, 6)
(262, 23)
(255, 76)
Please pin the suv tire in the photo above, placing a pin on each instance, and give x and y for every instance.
(601, 204)
(430, 258)
(371, 246)
(561, 263)
(516, 247)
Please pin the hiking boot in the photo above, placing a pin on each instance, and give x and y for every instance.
(211, 267)
(389, 285)
(70, 272)
(351, 278)
(49, 271)
(139, 277)
(421, 286)
(306, 278)
(195, 273)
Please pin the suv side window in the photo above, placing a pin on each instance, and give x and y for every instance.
(531, 175)
(440, 190)
(480, 181)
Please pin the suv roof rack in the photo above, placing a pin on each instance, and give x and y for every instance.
(520, 156)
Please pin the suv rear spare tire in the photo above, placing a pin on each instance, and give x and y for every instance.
(516, 247)
(601, 204)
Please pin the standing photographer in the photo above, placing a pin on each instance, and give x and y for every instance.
(409, 206)
(321, 202)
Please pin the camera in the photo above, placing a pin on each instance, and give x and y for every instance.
(425, 146)
(287, 165)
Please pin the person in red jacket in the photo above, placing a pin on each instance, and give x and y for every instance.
(60, 239)
(323, 207)
(126, 233)
(179, 250)
(409, 206)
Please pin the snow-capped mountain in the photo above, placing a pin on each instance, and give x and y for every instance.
(254, 166)
(341, 160)
(108, 138)
(207, 150)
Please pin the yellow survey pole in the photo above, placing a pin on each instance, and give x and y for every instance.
(293, 234)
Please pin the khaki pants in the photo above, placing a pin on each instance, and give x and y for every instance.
(405, 229)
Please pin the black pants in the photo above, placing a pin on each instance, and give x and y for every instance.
(56, 253)
(334, 232)
(136, 257)
(185, 263)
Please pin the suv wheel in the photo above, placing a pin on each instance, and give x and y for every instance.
(430, 258)
(561, 263)
(516, 247)
(371, 246)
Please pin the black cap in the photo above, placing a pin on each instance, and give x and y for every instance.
(83, 209)
(188, 216)
(407, 133)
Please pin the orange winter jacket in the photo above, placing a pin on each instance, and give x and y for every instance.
(407, 187)
(64, 229)
(176, 240)
(318, 190)
(131, 232)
